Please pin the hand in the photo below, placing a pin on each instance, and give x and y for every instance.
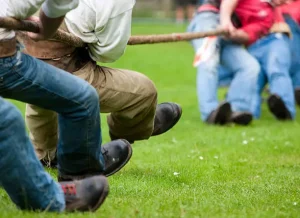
(238, 36)
(36, 36)
(227, 26)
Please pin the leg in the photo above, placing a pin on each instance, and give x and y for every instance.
(295, 49)
(131, 100)
(295, 74)
(128, 96)
(34, 82)
(225, 76)
(246, 68)
(43, 128)
(207, 77)
(277, 64)
(32, 187)
(261, 83)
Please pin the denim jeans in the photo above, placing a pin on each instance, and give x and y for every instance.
(274, 54)
(295, 48)
(235, 58)
(225, 76)
(22, 175)
(27, 79)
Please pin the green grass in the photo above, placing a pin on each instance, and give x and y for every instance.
(219, 175)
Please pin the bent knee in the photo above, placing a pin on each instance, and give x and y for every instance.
(13, 117)
(149, 90)
(252, 69)
(92, 97)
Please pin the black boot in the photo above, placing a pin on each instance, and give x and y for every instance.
(297, 96)
(166, 116)
(85, 195)
(241, 118)
(116, 154)
(278, 108)
(221, 115)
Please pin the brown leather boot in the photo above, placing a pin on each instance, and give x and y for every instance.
(86, 194)
(166, 116)
(116, 155)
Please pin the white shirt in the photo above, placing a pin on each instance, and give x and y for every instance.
(105, 25)
(22, 9)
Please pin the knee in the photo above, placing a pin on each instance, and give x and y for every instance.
(92, 97)
(252, 69)
(11, 121)
(150, 91)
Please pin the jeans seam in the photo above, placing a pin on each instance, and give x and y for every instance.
(89, 119)
(15, 70)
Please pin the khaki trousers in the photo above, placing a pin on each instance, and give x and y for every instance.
(128, 96)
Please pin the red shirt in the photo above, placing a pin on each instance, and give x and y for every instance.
(278, 15)
(292, 9)
(256, 17)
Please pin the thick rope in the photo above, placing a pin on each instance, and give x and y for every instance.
(30, 26)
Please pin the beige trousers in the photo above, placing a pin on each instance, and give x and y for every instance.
(128, 96)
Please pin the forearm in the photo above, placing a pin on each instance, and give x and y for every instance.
(226, 10)
(240, 36)
(49, 25)
(51, 16)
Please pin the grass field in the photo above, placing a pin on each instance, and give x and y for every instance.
(196, 170)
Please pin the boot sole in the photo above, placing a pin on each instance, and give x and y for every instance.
(125, 162)
(103, 195)
(278, 108)
(243, 119)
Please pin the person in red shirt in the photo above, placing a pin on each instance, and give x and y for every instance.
(291, 12)
(274, 54)
(246, 21)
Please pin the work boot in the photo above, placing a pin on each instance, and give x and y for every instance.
(116, 154)
(86, 194)
(278, 108)
(297, 96)
(221, 115)
(241, 118)
(166, 116)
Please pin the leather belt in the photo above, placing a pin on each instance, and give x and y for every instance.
(8, 47)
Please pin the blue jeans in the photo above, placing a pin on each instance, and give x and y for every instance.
(22, 175)
(225, 76)
(235, 58)
(27, 79)
(274, 55)
(295, 48)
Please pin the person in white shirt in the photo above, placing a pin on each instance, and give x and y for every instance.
(129, 97)
(27, 79)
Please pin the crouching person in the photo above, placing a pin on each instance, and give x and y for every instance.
(129, 97)
(291, 15)
(274, 54)
(22, 175)
(244, 27)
